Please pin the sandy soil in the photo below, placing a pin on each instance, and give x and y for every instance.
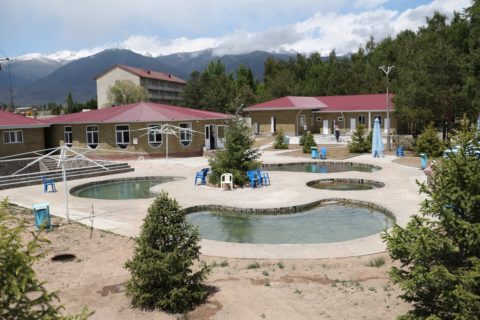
(241, 289)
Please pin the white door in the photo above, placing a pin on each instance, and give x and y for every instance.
(325, 127)
(256, 128)
(220, 137)
(273, 124)
(352, 124)
(207, 137)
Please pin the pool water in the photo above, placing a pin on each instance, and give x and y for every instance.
(322, 167)
(138, 188)
(321, 224)
(341, 186)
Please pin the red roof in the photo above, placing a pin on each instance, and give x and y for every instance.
(145, 73)
(363, 102)
(9, 120)
(289, 103)
(137, 112)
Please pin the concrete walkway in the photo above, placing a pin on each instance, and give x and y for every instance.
(400, 196)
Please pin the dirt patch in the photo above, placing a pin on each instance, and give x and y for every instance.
(116, 288)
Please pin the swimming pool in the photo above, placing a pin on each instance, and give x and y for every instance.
(345, 184)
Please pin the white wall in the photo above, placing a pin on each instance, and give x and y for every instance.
(107, 80)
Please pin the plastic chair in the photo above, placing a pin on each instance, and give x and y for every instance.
(48, 182)
(264, 177)
(226, 179)
(400, 151)
(323, 153)
(253, 178)
(202, 175)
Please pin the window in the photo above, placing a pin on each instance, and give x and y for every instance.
(13, 136)
(362, 120)
(379, 117)
(67, 136)
(340, 119)
(155, 138)
(122, 135)
(92, 136)
(319, 119)
(186, 134)
(301, 120)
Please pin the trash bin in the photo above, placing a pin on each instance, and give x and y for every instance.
(400, 151)
(41, 212)
(314, 152)
(424, 158)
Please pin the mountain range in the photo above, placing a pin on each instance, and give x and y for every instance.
(37, 80)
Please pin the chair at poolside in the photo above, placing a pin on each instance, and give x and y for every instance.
(323, 153)
(48, 182)
(202, 176)
(314, 153)
(253, 178)
(226, 180)
(264, 177)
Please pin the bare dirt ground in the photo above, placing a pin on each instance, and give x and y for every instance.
(241, 289)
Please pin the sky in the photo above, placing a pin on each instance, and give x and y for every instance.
(68, 29)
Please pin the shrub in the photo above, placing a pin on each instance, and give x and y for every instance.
(302, 138)
(22, 295)
(280, 141)
(438, 252)
(376, 262)
(165, 253)
(360, 143)
(238, 157)
(309, 142)
(429, 142)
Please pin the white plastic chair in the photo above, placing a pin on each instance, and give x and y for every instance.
(225, 180)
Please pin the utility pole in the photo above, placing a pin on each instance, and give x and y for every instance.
(9, 77)
(387, 70)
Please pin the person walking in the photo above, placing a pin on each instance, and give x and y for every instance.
(337, 132)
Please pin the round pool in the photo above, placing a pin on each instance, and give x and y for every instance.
(321, 167)
(120, 189)
(320, 224)
(345, 184)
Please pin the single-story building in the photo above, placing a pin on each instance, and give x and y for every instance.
(294, 115)
(20, 134)
(133, 128)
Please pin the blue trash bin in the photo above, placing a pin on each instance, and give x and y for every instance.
(41, 212)
(424, 158)
(314, 152)
(400, 151)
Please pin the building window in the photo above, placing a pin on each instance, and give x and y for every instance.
(362, 120)
(340, 119)
(13, 136)
(319, 119)
(301, 120)
(186, 134)
(155, 138)
(379, 117)
(122, 135)
(92, 136)
(67, 136)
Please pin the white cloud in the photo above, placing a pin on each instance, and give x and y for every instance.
(369, 4)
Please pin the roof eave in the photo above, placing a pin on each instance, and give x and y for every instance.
(33, 126)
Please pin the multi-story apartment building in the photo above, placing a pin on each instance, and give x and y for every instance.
(162, 87)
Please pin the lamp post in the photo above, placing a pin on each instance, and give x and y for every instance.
(9, 77)
(387, 70)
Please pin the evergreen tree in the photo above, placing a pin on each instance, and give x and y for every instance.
(70, 104)
(22, 295)
(359, 143)
(439, 249)
(239, 155)
(308, 142)
(125, 92)
(280, 141)
(163, 261)
(429, 142)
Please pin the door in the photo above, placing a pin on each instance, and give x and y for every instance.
(213, 137)
(352, 124)
(207, 137)
(220, 137)
(325, 127)
(273, 124)
(256, 128)
(332, 129)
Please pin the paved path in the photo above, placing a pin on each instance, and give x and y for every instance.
(400, 196)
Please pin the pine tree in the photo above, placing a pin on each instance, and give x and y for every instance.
(280, 141)
(359, 144)
(239, 155)
(308, 143)
(162, 265)
(429, 142)
(439, 249)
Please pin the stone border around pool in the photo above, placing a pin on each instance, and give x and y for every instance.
(292, 209)
(326, 163)
(99, 182)
(373, 183)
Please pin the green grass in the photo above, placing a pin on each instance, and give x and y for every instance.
(376, 262)
(254, 265)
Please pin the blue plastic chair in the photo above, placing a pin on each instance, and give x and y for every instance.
(264, 177)
(323, 153)
(400, 151)
(254, 179)
(48, 182)
(202, 176)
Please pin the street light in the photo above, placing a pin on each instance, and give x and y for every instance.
(387, 70)
(9, 76)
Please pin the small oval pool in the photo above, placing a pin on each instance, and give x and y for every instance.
(120, 189)
(322, 224)
(345, 184)
(321, 167)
